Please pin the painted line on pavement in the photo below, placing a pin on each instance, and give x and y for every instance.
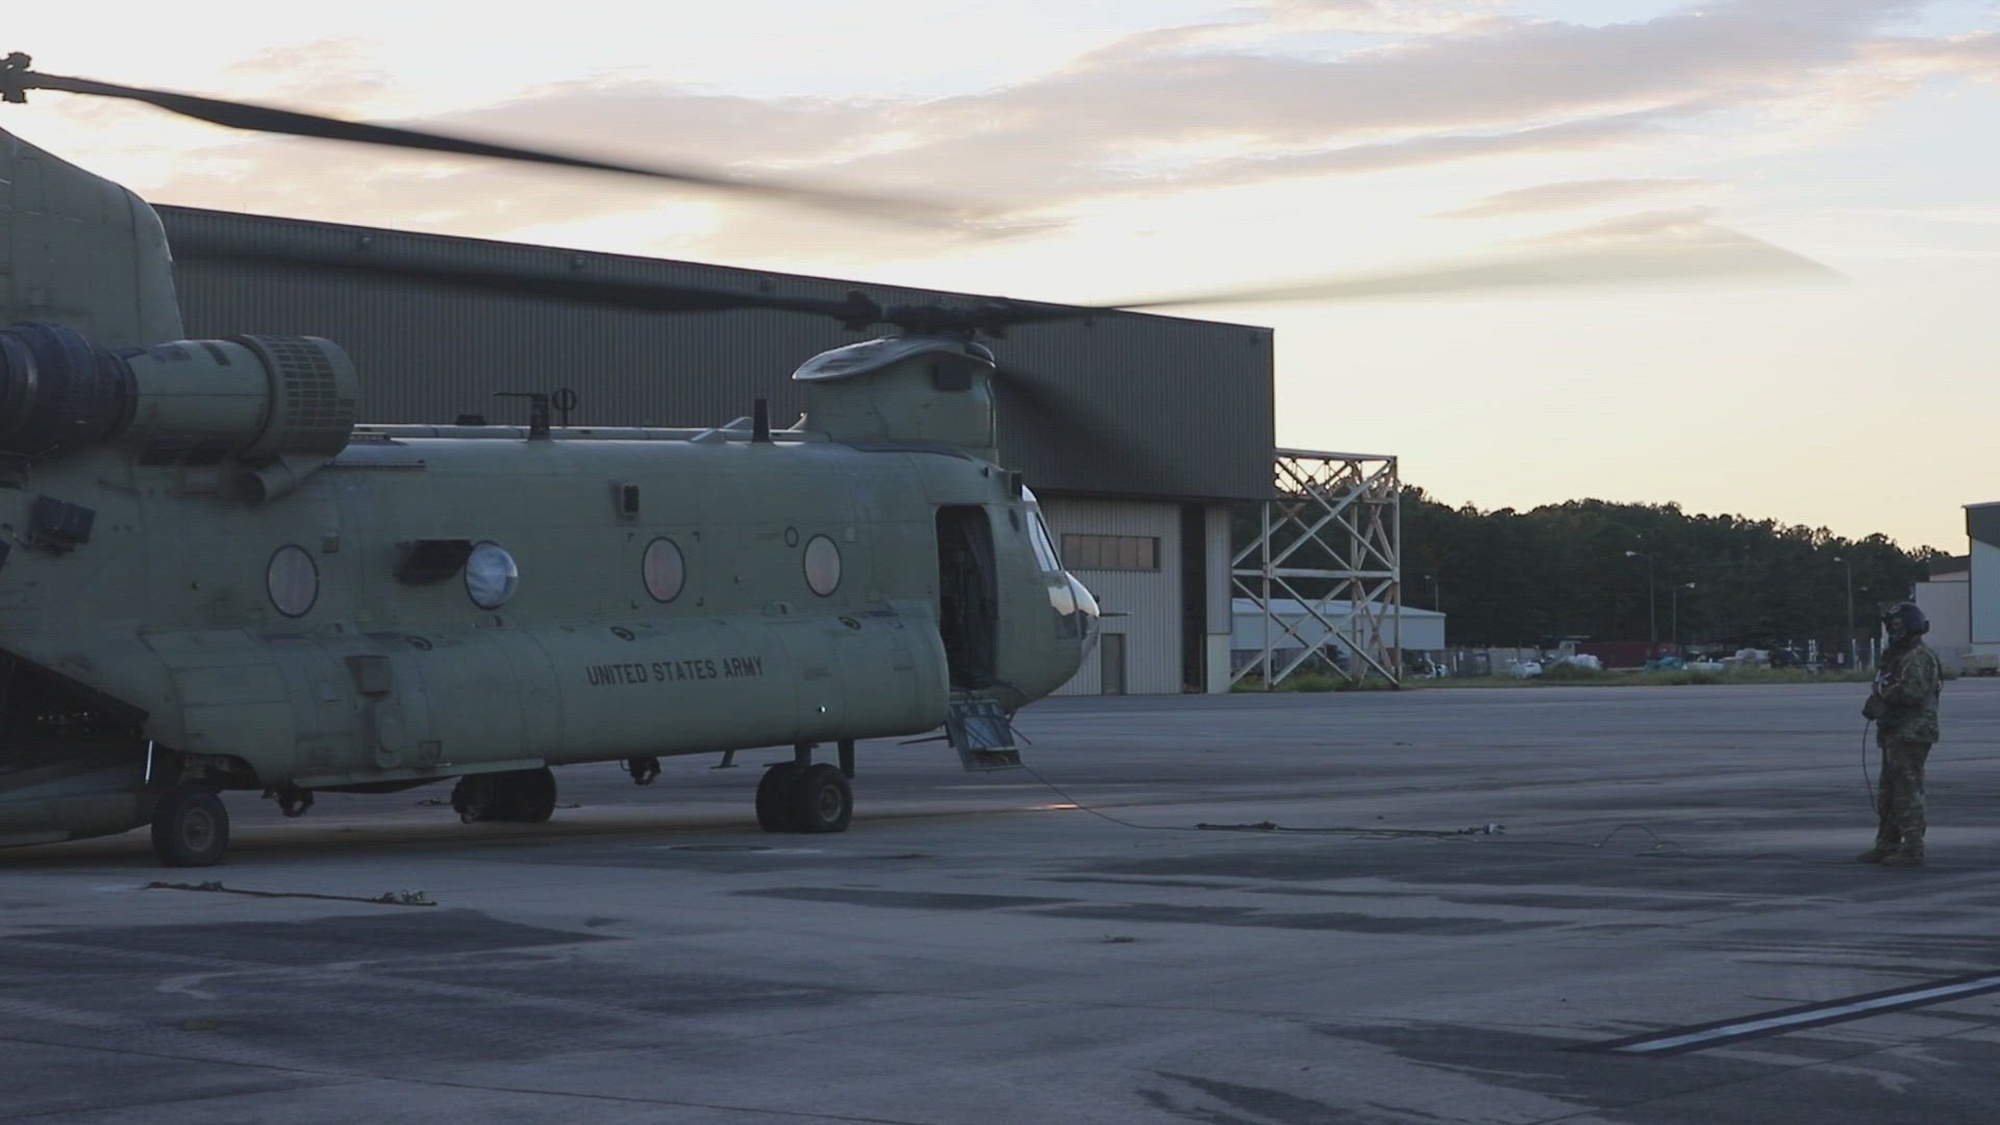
(1703, 1036)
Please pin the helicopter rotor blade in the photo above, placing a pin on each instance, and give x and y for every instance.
(1711, 254)
(855, 310)
(1703, 253)
(16, 79)
(1081, 426)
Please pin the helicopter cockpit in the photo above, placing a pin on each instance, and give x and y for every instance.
(1077, 612)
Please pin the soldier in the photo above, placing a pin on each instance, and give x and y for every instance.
(1904, 705)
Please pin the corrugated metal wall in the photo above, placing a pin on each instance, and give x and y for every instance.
(1118, 404)
(1149, 600)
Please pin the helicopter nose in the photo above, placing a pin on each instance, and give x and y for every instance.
(1088, 613)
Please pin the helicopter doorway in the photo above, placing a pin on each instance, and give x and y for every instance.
(968, 595)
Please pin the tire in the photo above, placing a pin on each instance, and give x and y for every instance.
(775, 792)
(513, 797)
(476, 797)
(822, 800)
(190, 827)
(533, 794)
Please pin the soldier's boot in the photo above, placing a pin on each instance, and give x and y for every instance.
(1909, 854)
(1885, 846)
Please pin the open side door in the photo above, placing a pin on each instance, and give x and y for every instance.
(968, 596)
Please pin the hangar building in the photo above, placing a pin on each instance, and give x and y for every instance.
(1138, 432)
(1962, 599)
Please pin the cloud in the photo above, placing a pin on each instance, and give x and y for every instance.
(1977, 55)
(1440, 148)
(1573, 193)
(1174, 109)
(327, 72)
(1981, 215)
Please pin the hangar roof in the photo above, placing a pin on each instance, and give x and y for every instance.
(1115, 404)
(1982, 522)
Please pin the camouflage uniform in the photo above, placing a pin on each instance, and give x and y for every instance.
(1904, 704)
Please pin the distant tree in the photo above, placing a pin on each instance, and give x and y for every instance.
(1561, 571)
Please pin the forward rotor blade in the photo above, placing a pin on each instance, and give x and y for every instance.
(15, 80)
(1716, 254)
(855, 310)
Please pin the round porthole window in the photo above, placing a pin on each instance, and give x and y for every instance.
(491, 576)
(822, 565)
(664, 569)
(293, 581)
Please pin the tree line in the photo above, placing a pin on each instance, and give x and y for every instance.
(1581, 570)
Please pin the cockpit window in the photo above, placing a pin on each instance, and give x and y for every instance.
(1045, 547)
(1038, 534)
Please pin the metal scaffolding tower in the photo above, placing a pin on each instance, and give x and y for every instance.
(1326, 569)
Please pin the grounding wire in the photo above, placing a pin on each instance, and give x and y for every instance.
(1658, 850)
(1868, 779)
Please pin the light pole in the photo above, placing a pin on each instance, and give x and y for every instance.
(1436, 602)
(1853, 657)
(1677, 612)
(1652, 607)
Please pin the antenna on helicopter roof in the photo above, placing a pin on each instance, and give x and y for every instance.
(538, 412)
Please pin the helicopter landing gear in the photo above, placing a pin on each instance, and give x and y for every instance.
(190, 827)
(517, 796)
(643, 770)
(799, 796)
(822, 801)
(774, 792)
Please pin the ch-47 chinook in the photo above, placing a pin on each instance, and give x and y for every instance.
(212, 578)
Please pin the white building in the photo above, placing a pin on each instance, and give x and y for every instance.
(1946, 600)
(1291, 627)
(1137, 559)
(1982, 585)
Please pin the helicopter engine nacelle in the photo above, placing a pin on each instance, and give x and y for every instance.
(276, 405)
(922, 390)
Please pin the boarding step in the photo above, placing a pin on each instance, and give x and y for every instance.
(983, 734)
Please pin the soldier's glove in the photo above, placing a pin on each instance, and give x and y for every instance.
(1872, 709)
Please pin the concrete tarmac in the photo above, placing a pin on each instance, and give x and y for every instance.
(1578, 905)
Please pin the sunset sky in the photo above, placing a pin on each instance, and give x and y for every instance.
(1124, 149)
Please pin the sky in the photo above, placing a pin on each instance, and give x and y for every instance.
(1777, 222)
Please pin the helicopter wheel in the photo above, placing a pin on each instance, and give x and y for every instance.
(822, 801)
(532, 793)
(776, 798)
(518, 796)
(476, 797)
(190, 827)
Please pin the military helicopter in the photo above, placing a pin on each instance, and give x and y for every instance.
(213, 578)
